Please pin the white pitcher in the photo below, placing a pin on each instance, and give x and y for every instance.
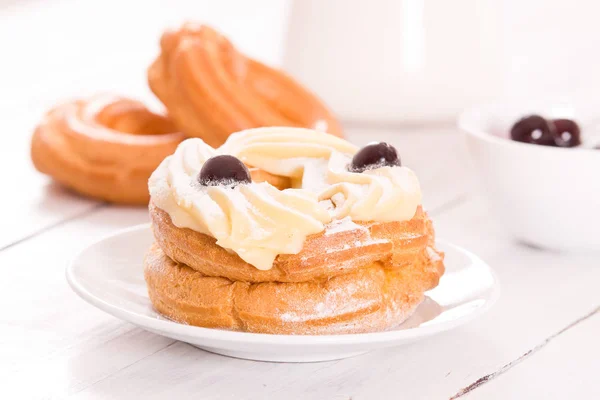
(396, 60)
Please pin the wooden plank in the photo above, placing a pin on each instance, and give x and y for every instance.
(31, 202)
(50, 333)
(565, 367)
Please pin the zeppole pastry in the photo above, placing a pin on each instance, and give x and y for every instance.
(341, 245)
(105, 147)
(212, 90)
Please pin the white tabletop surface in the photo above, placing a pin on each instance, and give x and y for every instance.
(539, 341)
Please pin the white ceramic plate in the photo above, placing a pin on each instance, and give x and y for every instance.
(109, 275)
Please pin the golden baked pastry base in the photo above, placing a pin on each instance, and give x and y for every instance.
(328, 288)
(372, 298)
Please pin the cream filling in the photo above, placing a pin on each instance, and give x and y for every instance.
(258, 221)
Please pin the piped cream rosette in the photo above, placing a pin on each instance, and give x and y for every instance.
(258, 221)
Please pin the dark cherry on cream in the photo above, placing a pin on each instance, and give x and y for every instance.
(374, 155)
(567, 133)
(224, 170)
(533, 129)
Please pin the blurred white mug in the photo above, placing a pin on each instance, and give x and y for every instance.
(424, 60)
(396, 60)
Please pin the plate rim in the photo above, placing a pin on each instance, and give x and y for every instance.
(221, 335)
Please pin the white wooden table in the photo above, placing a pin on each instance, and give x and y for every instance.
(539, 341)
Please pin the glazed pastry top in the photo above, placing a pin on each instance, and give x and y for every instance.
(258, 221)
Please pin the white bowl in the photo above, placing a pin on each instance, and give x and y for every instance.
(109, 274)
(546, 196)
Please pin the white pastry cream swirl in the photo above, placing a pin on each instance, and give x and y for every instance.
(284, 151)
(379, 194)
(258, 221)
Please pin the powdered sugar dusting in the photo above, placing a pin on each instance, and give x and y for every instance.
(433, 255)
(357, 243)
(342, 225)
(333, 304)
